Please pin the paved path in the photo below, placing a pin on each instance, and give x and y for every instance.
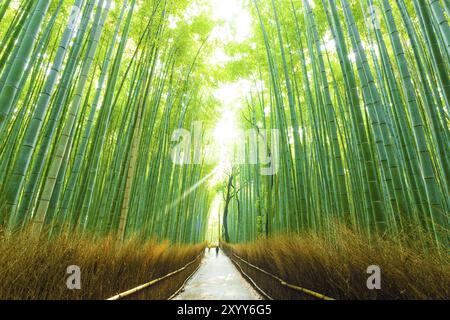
(217, 279)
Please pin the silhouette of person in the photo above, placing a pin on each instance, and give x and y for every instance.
(217, 251)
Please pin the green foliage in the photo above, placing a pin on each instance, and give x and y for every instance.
(358, 90)
(86, 135)
(361, 102)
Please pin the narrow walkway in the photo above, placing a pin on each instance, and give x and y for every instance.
(217, 279)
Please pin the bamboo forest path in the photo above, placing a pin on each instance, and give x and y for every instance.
(217, 279)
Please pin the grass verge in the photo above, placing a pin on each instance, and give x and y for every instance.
(32, 269)
(338, 268)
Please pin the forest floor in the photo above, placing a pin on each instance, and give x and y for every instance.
(217, 279)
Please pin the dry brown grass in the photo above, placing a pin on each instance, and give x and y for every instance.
(338, 268)
(37, 269)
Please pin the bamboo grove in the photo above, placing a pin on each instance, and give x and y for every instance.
(90, 93)
(360, 92)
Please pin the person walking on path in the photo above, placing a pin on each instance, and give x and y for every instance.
(217, 251)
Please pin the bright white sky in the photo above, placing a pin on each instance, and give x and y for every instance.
(237, 20)
(234, 25)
